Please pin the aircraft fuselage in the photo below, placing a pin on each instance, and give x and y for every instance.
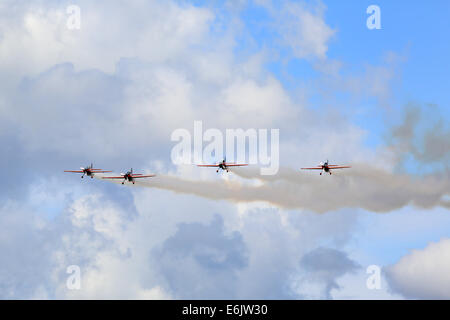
(87, 172)
(128, 177)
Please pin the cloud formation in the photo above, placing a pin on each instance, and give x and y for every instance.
(423, 273)
(300, 27)
(207, 259)
(323, 266)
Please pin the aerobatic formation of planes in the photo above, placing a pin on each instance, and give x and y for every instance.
(90, 171)
(129, 176)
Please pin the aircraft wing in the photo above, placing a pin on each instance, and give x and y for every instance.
(236, 164)
(77, 171)
(338, 167)
(121, 177)
(207, 165)
(96, 171)
(314, 168)
(142, 176)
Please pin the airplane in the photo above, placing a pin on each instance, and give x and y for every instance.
(223, 165)
(326, 167)
(89, 171)
(130, 176)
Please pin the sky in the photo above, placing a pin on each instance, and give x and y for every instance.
(113, 90)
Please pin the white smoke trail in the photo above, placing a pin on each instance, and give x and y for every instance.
(360, 187)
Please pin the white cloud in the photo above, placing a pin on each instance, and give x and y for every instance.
(423, 274)
(161, 74)
(36, 37)
(305, 31)
(301, 27)
(124, 255)
(321, 268)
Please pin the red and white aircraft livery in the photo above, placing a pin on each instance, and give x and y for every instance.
(89, 171)
(223, 165)
(130, 176)
(325, 167)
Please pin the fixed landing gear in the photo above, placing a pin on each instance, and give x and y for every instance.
(217, 170)
(320, 173)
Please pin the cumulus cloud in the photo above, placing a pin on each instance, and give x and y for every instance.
(320, 269)
(91, 232)
(305, 31)
(422, 273)
(206, 259)
(169, 250)
(26, 253)
(68, 109)
(158, 31)
(301, 28)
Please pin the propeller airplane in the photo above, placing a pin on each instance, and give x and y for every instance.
(326, 167)
(130, 176)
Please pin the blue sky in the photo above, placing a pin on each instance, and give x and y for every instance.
(413, 33)
(113, 92)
